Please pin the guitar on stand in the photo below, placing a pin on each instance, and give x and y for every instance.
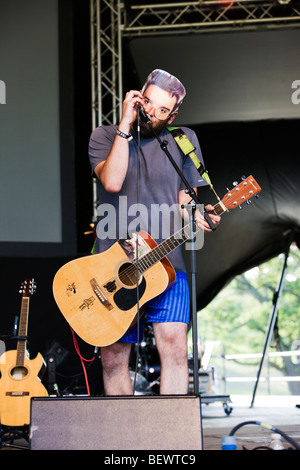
(20, 376)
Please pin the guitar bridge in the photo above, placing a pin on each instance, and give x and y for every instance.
(100, 294)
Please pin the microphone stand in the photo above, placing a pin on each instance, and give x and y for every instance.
(137, 346)
(194, 201)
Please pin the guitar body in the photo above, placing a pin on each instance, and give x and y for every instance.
(97, 294)
(18, 384)
(99, 300)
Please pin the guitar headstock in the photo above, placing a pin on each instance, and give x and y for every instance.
(28, 287)
(241, 192)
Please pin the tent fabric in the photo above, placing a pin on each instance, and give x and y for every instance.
(269, 151)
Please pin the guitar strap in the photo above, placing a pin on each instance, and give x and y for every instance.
(188, 149)
(93, 250)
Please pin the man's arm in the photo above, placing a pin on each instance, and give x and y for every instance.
(112, 171)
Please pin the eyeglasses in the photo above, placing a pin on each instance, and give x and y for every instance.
(160, 112)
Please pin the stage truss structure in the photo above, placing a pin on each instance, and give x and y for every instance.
(113, 20)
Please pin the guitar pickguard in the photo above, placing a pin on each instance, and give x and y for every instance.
(125, 299)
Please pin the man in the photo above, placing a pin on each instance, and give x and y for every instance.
(136, 169)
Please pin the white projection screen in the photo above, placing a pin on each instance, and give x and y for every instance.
(29, 145)
(31, 198)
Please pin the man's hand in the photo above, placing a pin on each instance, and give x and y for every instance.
(129, 111)
(184, 199)
(202, 223)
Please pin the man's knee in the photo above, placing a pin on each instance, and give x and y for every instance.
(115, 356)
(173, 343)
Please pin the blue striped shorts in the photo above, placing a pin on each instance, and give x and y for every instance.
(173, 305)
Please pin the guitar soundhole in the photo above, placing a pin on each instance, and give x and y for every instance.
(127, 274)
(19, 372)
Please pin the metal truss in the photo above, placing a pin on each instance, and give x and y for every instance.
(106, 68)
(111, 20)
(200, 16)
(106, 61)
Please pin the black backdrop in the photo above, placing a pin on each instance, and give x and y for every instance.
(269, 151)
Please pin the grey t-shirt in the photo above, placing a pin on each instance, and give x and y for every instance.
(148, 198)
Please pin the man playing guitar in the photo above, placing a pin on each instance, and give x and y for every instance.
(127, 162)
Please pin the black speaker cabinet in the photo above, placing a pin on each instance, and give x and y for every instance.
(116, 423)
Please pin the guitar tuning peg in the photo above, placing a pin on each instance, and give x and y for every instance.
(240, 207)
(256, 196)
(235, 183)
(249, 201)
(243, 177)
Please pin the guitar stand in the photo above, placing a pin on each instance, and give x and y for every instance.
(273, 315)
(52, 386)
(15, 337)
(9, 434)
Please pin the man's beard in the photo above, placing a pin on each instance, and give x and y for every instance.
(146, 131)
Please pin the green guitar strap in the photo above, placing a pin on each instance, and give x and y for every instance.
(93, 250)
(188, 149)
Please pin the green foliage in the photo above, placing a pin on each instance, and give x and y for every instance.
(238, 317)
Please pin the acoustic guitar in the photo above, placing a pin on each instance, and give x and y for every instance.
(20, 376)
(99, 295)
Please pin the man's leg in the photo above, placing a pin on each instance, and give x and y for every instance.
(171, 342)
(116, 377)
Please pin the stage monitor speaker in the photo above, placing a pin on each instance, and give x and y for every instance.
(116, 423)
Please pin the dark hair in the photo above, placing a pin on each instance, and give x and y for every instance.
(167, 82)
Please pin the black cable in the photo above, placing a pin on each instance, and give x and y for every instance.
(270, 428)
(238, 426)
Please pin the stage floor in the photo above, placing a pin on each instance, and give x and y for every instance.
(280, 412)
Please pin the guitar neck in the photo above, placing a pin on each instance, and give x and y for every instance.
(167, 246)
(240, 193)
(164, 248)
(22, 332)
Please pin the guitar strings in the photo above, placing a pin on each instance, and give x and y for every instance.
(153, 256)
(131, 272)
